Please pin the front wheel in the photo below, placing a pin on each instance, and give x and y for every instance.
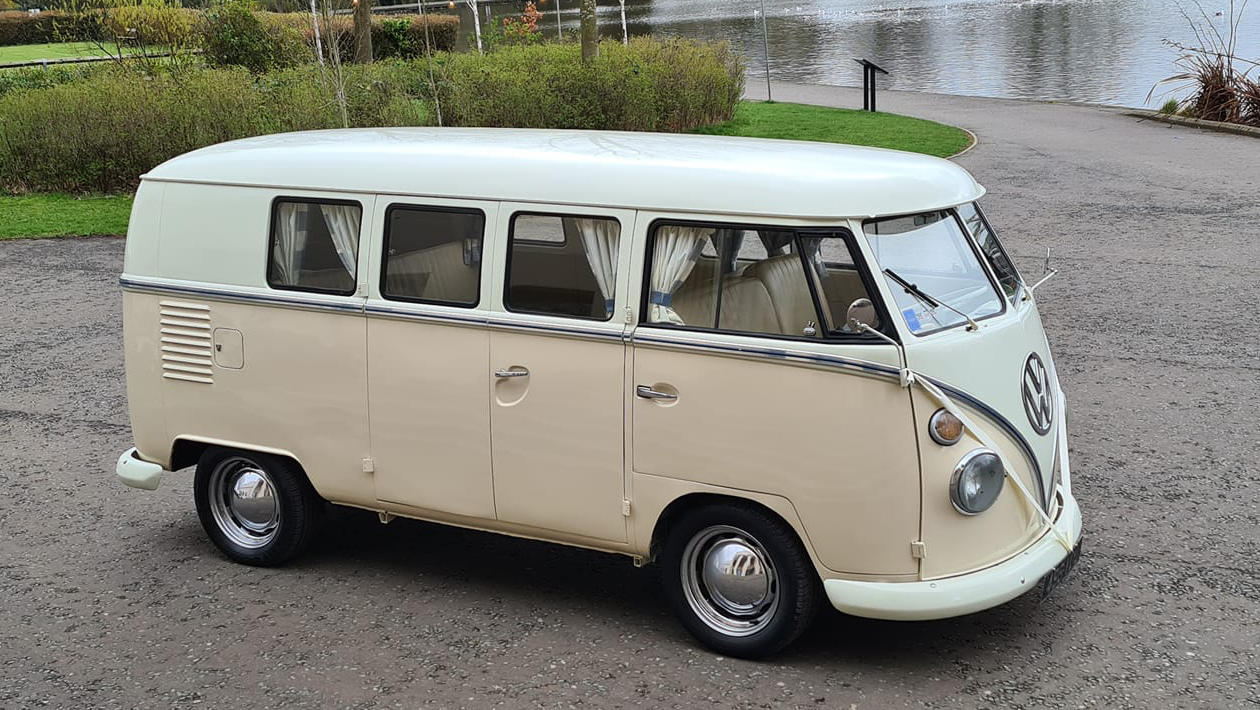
(257, 509)
(739, 579)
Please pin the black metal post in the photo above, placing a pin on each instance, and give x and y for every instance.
(866, 88)
(868, 83)
(872, 72)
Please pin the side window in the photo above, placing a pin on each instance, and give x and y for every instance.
(432, 255)
(750, 280)
(838, 281)
(562, 265)
(314, 245)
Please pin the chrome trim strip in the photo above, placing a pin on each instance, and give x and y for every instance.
(219, 294)
(841, 362)
(360, 308)
(559, 330)
(488, 320)
(382, 311)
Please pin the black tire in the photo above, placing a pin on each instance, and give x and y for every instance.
(294, 506)
(756, 537)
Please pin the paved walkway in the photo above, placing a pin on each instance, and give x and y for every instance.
(113, 597)
(1155, 323)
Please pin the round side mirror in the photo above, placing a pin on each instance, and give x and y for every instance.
(861, 311)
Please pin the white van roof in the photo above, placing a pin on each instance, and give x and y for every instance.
(657, 171)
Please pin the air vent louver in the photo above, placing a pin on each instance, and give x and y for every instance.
(187, 352)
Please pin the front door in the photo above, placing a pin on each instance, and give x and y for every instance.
(748, 376)
(557, 364)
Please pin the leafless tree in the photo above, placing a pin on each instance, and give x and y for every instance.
(362, 31)
(590, 31)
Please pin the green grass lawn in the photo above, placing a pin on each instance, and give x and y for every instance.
(59, 50)
(57, 215)
(63, 215)
(757, 119)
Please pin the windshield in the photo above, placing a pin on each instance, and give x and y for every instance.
(931, 251)
(992, 249)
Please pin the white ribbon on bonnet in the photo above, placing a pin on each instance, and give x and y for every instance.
(910, 377)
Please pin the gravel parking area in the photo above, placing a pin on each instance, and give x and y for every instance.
(111, 597)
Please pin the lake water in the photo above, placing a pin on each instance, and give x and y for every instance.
(1099, 51)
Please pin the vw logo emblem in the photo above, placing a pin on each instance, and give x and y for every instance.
(1036, 388)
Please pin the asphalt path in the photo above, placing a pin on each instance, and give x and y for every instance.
(111, 597)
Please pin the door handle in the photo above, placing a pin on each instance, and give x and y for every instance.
(512, 373)
(648, 393)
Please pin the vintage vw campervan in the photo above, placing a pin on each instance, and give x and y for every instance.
(787, 372)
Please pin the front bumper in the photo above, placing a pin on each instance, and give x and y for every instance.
(966, 593)
(137, 473)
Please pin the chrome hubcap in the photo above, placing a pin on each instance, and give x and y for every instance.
(729, 581)
(243, 502)
(253, 501)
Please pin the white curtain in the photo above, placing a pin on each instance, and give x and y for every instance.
(674, 255)
(601, 239)
(290, 241)
(343, 226)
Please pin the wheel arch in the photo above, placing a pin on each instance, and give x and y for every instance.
(187, 451)
(661, 501)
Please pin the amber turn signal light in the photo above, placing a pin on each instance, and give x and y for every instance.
(945, 428)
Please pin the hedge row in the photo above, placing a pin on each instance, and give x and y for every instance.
(396, 36)
(17, 27)
(99, 133)
(649, 85)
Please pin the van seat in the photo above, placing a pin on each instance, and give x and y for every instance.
(437, 273)
(842, 287)
(784, 279)
(337, 279)
(746, 305)
(704, 270)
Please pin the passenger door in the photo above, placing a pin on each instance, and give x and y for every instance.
(428, 352)
(745, 378)
(557, 368)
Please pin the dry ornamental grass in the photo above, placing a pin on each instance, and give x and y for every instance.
(1223, 86)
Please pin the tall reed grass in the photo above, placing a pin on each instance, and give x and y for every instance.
(1218, 84)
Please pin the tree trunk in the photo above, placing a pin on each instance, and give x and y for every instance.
(362, 31)
(590, 33)
(625, 33)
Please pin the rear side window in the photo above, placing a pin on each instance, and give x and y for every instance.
(562, 265)
(314, 245)
(432, 255)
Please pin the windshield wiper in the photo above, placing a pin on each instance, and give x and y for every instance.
(930, 301)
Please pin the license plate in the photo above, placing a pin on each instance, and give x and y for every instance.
(1060, 572)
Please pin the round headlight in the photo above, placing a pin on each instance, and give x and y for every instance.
(945, 428)
(977, 481)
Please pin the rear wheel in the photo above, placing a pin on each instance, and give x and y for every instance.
(257, 509)
(739, 579)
